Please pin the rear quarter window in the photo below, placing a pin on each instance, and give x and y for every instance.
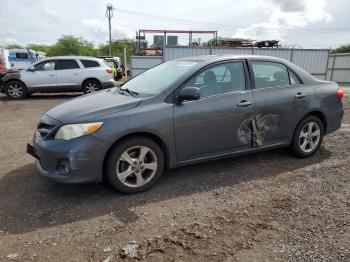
(106, 63)
(90, 63)
(294, 79)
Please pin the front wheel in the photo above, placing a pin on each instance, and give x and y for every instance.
(16, 90)
(134, 165)
(308, 137)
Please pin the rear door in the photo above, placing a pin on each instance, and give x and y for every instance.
(69, 74)
(280, 101)
(43, 77)
(211, 125)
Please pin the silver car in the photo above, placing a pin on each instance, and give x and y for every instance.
(58, 74)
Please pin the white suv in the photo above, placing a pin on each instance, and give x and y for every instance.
(59, 74)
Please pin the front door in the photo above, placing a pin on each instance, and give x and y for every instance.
(211, 125)
(43, 77)
(280, 101)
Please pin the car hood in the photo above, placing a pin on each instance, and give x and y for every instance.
(93, 107)
(10, 74)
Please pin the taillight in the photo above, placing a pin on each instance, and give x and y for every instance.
(340, 94)
(109, 71)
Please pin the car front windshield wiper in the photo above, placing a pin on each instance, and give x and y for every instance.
(129, 91)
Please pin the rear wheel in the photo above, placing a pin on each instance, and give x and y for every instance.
(308, 137)
(16, 90)
(91, 86)
(134, 165)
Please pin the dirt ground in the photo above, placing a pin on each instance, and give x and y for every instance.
(261, 207)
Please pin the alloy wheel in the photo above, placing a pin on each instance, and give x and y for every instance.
(91, 87)
(309, 137)
(15, 90)
(136, 166)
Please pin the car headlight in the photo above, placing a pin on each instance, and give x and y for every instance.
(71, 131)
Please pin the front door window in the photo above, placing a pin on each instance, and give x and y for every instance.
(219, 79)
(45, 66)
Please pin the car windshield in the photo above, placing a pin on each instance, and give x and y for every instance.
(158, 78)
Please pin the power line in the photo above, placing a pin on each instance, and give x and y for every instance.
(242, 27)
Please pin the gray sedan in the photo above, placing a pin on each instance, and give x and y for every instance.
(182, 112)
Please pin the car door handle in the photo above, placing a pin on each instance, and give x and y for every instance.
(76, 74)
(300, 95)
(244, 103)
(51, 75)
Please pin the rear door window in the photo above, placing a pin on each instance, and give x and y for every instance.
(89, 63)
(270, 74)
(64, 64)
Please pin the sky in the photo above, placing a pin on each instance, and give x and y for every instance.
(302, 23)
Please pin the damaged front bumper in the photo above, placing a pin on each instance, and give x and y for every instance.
(72, 161)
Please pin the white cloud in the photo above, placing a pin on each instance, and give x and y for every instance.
(290, 5)
(286, 16)
(10, 41)
(6, 32)
(7, 37)
(44, 21)
(99, 29)
(52, 14)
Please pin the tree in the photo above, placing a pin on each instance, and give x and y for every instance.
(118, 48)
(71, 45)
(14, 46)
(342, 49)
(38, 47)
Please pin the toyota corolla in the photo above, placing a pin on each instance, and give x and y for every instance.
(182, 112)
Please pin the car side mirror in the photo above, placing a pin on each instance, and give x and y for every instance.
(189, 93)
(31, 69)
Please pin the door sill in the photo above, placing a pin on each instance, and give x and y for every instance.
(234, 153)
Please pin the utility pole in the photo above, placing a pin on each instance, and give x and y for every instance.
(125, 69)
(109, 15)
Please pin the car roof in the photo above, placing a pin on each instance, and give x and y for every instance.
(223, 57)
(208, 59)
(73, 57)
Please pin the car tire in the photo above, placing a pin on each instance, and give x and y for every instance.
(91, 86)
(308, 137)
(134, 165)
(16, 90)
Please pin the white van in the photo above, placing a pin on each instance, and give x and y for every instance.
(4, 62)
(22, 58)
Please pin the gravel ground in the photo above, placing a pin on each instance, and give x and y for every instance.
(260, 207)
